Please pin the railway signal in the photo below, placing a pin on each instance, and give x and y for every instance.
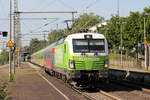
(4, 33)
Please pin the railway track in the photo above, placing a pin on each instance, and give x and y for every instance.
(79, 91)
(89, 94)
(119, 91)
(112, 91)
(126, 91)
(43, 74)
(138, 86)
(116, 91)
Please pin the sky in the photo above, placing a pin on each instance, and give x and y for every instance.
(104, 8)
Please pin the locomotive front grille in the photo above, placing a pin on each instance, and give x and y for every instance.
(97, 64)
(94, 65)
(80, 65)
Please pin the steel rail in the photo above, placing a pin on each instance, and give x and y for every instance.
(131, 85)
(109, 95)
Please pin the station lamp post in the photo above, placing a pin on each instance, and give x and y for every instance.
(10, 29)
(145, 42)
(121, 38)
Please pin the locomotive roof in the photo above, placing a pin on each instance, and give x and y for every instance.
(76, 35)
(81, 35)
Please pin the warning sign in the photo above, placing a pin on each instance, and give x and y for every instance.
(10, 44)
(17, 50)
(145, 42)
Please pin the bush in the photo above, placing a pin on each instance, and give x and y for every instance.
(3, 92)
(4, 57)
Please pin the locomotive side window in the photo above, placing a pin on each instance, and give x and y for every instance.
(88, 46)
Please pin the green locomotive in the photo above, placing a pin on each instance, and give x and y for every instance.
(80, 58)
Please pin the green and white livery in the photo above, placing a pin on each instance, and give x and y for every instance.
(80, 57)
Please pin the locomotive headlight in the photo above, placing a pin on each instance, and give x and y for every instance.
(71, 64)
(106, 64)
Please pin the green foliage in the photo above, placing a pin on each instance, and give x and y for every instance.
(83, 22)
(86, 21)
(133, 30)
(56, 35)
(3, 92)
(35, 45)
(4, 57)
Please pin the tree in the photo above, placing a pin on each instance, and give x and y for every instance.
(86, 21)
(83, 22)
(56, 35)
(35, 45)
(133, 30)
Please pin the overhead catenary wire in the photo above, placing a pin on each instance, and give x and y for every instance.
(33, 31)
(48, 4)
(91, 4)
(85, 9)
(26, 26)
(43, 26)
(64, 4)
(36, 12)
(30, 18)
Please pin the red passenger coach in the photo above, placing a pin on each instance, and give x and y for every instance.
(49, 56)
(48, 63)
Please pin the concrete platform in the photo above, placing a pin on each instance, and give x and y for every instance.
(29, 85)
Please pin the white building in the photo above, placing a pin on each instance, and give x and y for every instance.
(94, 28)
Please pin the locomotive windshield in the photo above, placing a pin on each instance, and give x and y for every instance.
(88, 46)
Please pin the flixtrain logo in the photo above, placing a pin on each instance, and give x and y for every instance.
(89, 59)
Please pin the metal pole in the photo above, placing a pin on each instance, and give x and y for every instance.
(14, 62)
(18, 59)
(144, 29)
(57, 27)
(14, 43)
(72, 17)
(118, 7)
(44, 40)
(10, 26)
(36, 12)
(145, 44)
(121, 47)
(3, 44)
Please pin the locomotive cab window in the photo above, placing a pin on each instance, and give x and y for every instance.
(88, 46)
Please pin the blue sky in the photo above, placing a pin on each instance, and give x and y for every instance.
(104, 8)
